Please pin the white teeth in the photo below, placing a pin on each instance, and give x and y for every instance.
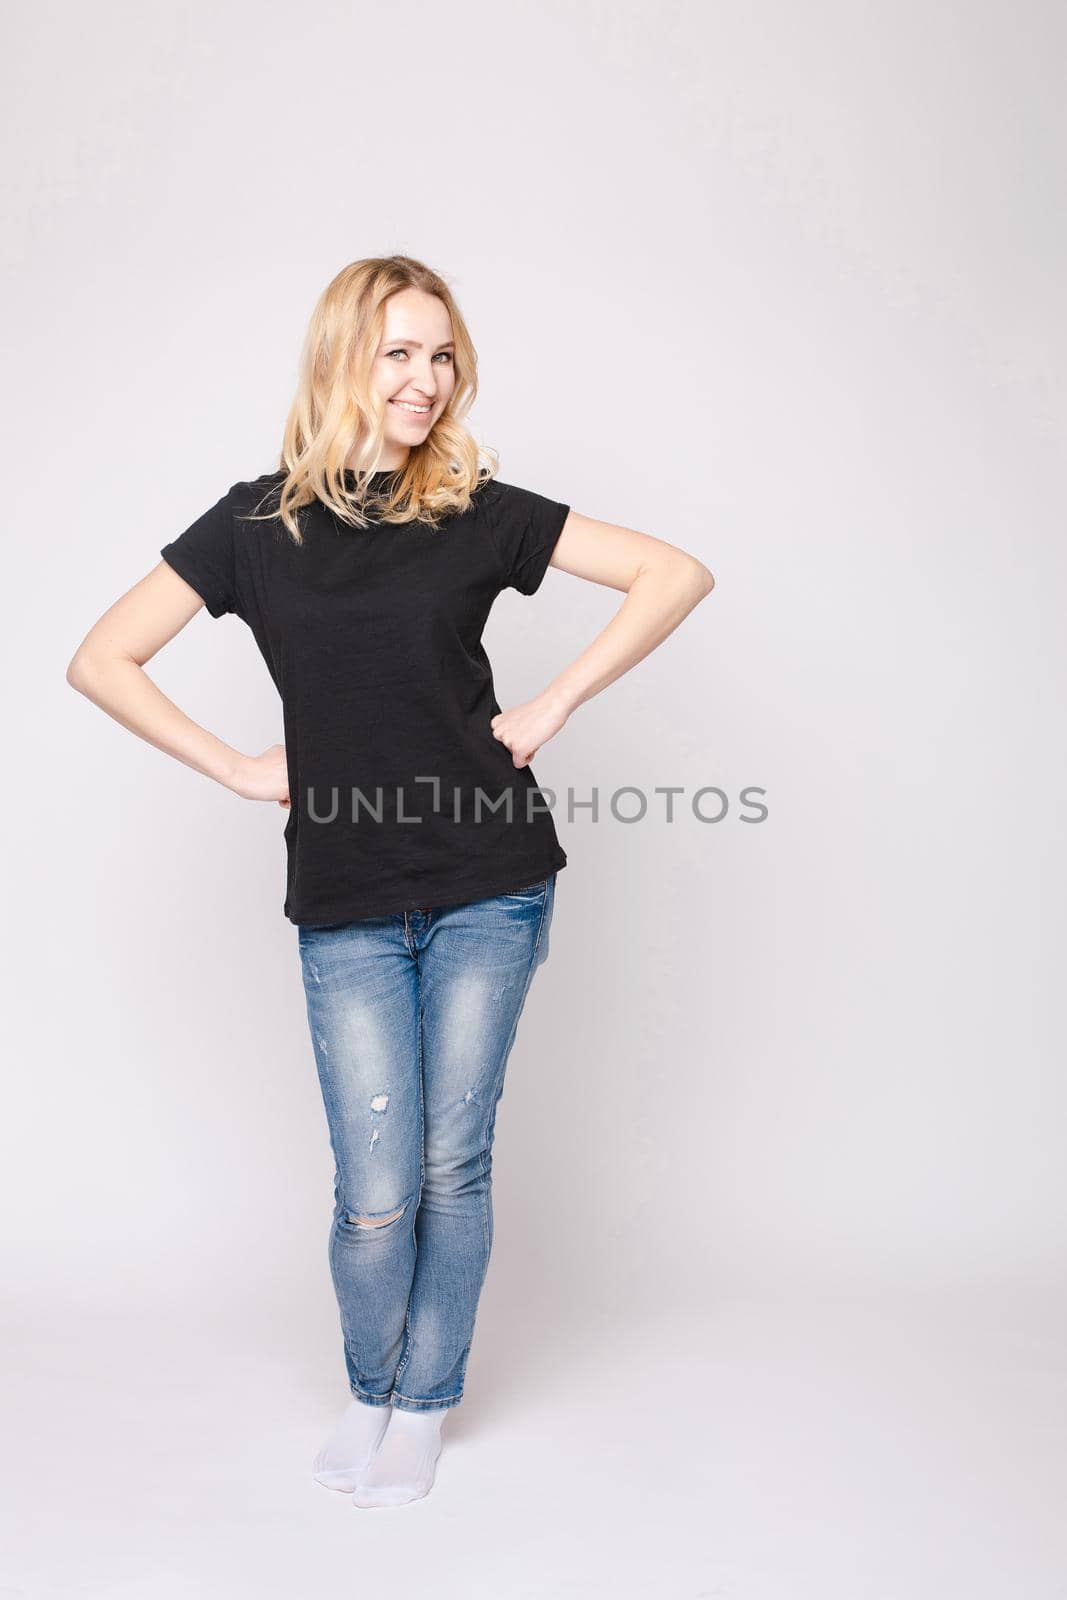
(419, 411)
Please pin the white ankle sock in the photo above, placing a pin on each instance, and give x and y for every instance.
(351, 1446)
(403, 1467)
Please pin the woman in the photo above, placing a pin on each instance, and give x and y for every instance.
(421, 858)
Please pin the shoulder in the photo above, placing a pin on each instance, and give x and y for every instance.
(265, 482)
(255, 496)
(507, 503)
(494, 492)
(524, 526)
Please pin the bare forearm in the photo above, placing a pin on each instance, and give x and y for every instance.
(656, 602)
(124, 690)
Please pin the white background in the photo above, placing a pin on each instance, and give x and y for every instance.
(776, 1301)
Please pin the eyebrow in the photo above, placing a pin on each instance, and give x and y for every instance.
(449, 344)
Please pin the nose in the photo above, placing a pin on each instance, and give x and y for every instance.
(426, 381)
(424, 393)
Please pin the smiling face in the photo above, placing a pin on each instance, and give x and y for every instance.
(414, 370)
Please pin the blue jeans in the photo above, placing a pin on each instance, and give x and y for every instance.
(412, 1018)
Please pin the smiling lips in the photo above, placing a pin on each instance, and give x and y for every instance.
(407, 405)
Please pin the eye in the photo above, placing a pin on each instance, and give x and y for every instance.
(446, 353)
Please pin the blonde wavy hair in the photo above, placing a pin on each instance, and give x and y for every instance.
(337, 415)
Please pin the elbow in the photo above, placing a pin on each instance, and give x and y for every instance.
(79, 672)
(682, 569)
(88, 668)
(704, 578)
(74, 672)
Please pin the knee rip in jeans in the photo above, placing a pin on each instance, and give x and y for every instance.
(375, 1222)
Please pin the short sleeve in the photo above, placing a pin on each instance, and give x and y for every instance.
(525, 527)
(204, 555)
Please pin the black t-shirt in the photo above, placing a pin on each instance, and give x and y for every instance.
(400, 796)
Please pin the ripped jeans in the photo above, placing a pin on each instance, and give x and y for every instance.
(412, 1017)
